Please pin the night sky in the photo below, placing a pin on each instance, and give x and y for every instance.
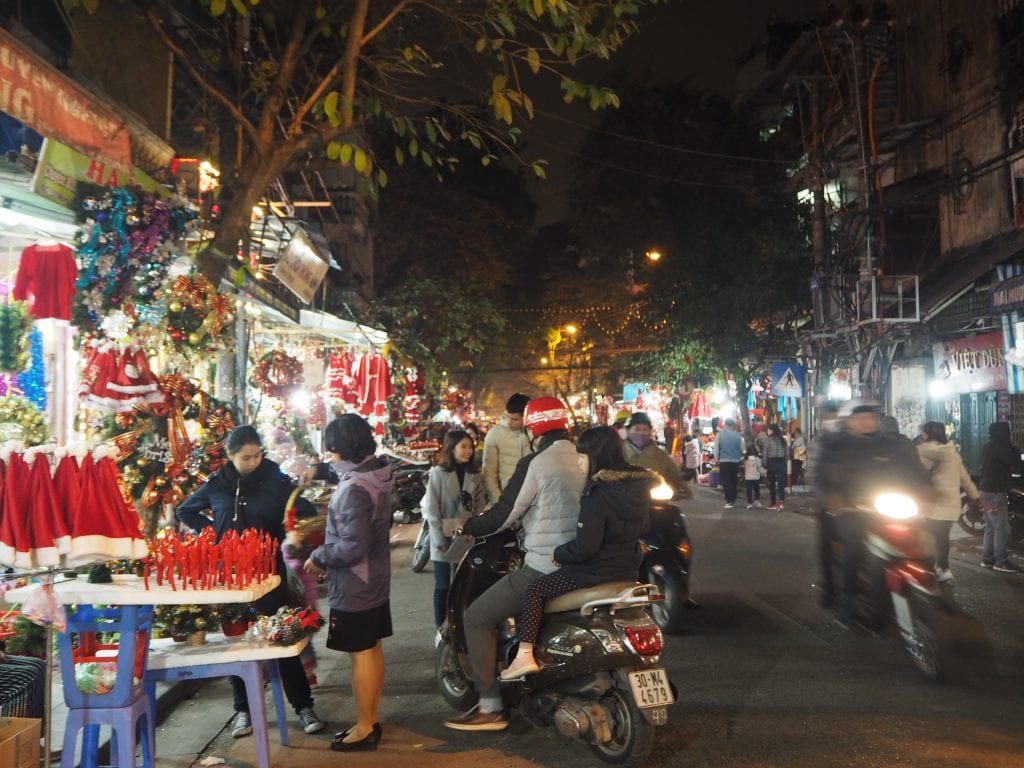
(695, 40)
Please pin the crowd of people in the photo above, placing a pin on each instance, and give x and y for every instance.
(581, 504)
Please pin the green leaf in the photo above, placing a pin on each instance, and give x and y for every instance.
(360, 160)
(474, 139)
(538, 169)
(431, 132)
(407, 54)
(331, 106)
(485, 160)
(238, 277)
(533, 59)
(333, 150)
(414, 146)
(506, 22)
(502, 108)
(538, 8)
(345, 156)
(320, 11)
(498, 83)
(399, 156)
(382, 178)
(426, 158)
(481, 44)
(217, 7)
(241, 7)
(91, 5)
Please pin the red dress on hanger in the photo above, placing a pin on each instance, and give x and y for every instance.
(46, 278)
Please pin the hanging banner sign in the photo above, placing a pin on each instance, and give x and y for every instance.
(40, 96)
(971, 365)
(787, 380)
(60, 168)
(300, 267)
(1008, 296)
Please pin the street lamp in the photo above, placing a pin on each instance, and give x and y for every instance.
(653, 256)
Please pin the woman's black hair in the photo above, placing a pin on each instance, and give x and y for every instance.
(603, 447)
(351, 437)
(446, 456)
(241, 437)
(999, 433)
(773, 430)
(935, 430)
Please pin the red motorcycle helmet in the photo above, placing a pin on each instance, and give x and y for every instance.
(545, 414)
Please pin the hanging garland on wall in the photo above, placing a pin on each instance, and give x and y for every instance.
(125, 248)
(277, 373)
(15, 325)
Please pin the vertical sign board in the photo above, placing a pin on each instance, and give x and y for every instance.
(300, 267)
(788, 380)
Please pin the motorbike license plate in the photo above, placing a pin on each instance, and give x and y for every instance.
(650, 688)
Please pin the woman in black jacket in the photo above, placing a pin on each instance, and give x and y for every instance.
(251, 491)
(614, 513)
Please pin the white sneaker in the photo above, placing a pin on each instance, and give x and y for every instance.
(758, 505)
(730, 505)
(750, 506)
(943, 575)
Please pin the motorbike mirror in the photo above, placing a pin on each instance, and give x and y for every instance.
(662, 492)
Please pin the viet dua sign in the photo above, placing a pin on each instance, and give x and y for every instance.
(971, 365)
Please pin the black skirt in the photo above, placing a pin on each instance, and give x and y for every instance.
(353, 631)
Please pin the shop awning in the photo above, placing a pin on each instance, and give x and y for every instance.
(344, 331)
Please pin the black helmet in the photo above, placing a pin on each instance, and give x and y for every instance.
(638, 418)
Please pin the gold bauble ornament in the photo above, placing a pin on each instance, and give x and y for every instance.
(194, 339)
(141, 462)
(160, 482)
(174, 306)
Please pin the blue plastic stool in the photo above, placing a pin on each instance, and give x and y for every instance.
(132, 622)
(125, 722)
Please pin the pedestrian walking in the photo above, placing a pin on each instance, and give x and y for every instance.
(505, 444)
(729, 452)
(999, 460)
(773, 453)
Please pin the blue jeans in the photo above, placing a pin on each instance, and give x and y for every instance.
(997, 528)
(442, 581)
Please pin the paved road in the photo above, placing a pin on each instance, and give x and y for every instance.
(766, 678)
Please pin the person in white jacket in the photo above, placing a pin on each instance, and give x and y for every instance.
(455, 491)
(948, 476)
(504, 445)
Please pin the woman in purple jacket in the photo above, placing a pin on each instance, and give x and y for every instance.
(356, 556)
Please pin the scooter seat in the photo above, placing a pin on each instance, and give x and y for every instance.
(572, 601)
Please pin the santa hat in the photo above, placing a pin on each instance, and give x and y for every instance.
(109, 478)
(98, 531)
(67, 485)
(49, 536)
(15, 547)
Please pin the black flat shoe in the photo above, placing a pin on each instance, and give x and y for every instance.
(366, 744)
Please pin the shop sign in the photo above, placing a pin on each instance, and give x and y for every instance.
(971, 365)
(300, 267)
(264, 295)
(1008, 296)
(38, 95)
(60, 168)
(787, 380)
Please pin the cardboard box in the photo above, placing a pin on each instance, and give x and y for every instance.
(19, 742)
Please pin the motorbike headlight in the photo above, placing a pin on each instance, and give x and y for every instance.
(662, 492)
(896, 505)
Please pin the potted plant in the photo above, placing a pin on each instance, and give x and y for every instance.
(188, 623)
(234, 619)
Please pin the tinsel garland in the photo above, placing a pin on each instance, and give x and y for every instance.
(19, 420)
(15, 324)
(32, 382)
(124, 250)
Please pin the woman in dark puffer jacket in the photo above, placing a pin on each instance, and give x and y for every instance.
(614, 513)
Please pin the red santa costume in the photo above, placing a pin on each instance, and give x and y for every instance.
(116, 378)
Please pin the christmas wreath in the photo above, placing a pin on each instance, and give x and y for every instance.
(277, 373)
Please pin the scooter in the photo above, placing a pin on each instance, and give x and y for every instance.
(974, 522)
(667, 552)
(421, 547)
(410, 484)
(896, 583)
(600, 682)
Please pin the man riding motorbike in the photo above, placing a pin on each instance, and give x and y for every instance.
(544, 494)
(640, 450)
(853, 465)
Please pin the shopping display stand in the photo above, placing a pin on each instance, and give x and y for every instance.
(134, 623)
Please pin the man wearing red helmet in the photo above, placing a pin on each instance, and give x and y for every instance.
(543, 495)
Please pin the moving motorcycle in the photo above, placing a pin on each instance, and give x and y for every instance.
(667, 554)
(896, 582)
(600, 682)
